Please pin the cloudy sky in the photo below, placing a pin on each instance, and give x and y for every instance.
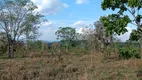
(73, 13)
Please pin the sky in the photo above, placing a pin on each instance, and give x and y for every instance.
(70, 13)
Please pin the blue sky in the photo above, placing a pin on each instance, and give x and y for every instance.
(74, 13)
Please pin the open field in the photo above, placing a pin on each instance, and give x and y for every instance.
(70, 67)
(70, 40)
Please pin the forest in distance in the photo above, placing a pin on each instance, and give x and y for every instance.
(93, 54)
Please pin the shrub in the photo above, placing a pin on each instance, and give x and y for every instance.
(127, 53)
(35, 45)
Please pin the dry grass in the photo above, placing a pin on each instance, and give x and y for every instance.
(70, 67)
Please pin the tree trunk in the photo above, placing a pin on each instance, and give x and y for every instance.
(67, 47)
(9, 45)
(12, 50)
(9, 52)
(141, 49)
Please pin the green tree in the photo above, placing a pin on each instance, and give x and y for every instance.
(3, 43)
(18, 18)
(134, 36)
(127, 11)
(67, 35)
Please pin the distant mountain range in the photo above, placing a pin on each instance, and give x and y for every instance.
(51, 41)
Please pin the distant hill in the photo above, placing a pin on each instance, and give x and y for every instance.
(51, 41)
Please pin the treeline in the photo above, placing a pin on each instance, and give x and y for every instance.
(20, 22)
(91, 41)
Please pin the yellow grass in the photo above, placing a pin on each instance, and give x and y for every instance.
(70, 67)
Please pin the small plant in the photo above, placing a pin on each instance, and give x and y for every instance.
(127, 53)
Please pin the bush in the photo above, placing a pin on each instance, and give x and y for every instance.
(35, 45)
(127, 53)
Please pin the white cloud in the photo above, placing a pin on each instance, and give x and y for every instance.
(83, 26)
(84, 30)
(80, 30)
(47, 30)
(48, 35)
(82, 1)
(80, 24)
(65, 5)
(47, 24)
(50, 7)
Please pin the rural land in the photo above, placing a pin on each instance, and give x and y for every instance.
(38, 42)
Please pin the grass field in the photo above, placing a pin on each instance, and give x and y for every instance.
(70, 67)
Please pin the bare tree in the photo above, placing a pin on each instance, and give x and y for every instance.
(101, 36)
(96, 37)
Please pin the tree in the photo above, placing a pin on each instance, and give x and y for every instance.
(119, 21)
(127, 11)
(66, 34)
(18, 18)
(101, 37)
(96, 37)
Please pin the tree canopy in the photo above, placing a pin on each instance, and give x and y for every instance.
(66, 33)
(18, 18)
(127, 11)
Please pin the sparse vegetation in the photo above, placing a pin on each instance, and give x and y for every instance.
(94, 54)
(68, 66)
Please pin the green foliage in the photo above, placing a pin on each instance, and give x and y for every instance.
(35, 45)
(67, 35)
(20, 52)
(3, 49)
(134, 36)
(19, 18)
(134, 3)
(115, 24)
(121, 4)
(126, 53)
(114, 4)
(3, 43)
(127, 11)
